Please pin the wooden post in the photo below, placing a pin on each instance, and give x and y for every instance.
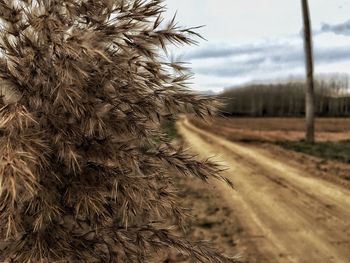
(309, 95)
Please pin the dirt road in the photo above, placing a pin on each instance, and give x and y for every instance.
(290, 215)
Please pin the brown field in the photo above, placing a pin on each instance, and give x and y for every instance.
(273, 129)
(286, 206)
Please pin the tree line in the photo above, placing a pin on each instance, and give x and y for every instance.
(332, 99)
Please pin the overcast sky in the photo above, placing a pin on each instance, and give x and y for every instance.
(251, 40)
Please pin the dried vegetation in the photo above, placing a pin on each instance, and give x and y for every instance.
(85, 173)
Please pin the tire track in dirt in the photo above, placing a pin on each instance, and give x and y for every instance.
(293, 216)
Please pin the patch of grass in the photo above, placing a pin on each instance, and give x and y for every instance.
(208, 224)
(339, 151)
(169, 128)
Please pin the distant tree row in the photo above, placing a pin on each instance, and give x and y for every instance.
(288, 99)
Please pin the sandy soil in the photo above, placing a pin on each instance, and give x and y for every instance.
(286, 213)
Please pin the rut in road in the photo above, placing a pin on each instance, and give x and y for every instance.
(293, 216)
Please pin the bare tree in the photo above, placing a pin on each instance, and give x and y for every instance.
(85, 173)
(309, 96)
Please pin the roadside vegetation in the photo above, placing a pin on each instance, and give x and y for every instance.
(339, 151)
(169, 128)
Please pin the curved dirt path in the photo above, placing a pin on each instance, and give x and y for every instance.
(290, 215)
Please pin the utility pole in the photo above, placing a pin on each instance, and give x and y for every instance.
(309, 65)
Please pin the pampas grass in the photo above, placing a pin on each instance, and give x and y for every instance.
(85, 171)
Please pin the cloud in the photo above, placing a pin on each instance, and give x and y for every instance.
(242, 61)
(271, 58)
(340, 29)
(232, 69)
(223, 51)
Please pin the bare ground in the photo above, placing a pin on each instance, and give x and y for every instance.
(276, 129)
(284, 211)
